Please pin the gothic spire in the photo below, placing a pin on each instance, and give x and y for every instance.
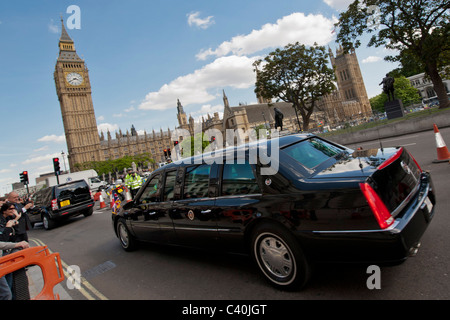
(64, 35)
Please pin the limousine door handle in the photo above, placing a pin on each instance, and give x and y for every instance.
(206, 211)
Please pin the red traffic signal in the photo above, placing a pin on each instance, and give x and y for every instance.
(56, 165)
(24, 177)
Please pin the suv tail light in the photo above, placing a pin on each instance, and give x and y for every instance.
(379, 209)
(55, 204)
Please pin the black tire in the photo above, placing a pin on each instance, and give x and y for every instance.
(88, 212)
(126, 239)
(280, 257)
(49, 223)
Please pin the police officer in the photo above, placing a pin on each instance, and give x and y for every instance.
(133, 181)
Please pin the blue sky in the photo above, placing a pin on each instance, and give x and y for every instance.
(142, 56)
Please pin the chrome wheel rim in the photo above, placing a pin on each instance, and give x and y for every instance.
(123, 235)
(45, 221)
(276, 257)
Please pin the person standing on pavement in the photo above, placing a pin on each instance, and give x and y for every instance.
(8, 221)
(24, 220)
(5, 290)
(133, 182)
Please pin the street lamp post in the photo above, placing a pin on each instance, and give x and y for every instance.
(64, 160)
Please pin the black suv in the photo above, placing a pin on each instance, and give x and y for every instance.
(60, 202)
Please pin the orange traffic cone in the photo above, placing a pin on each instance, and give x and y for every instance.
(128, 197)
(111, 200)
(102, 202)
(442, 151)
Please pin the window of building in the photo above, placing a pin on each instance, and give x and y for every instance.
(196, 182)
(152, 191)
(238, 179)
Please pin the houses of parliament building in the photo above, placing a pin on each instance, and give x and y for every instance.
(85, 144)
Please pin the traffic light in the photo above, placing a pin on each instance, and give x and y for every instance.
(24, 177)
(175, 143)
(56, 165)
(169, 152)
(165, 153)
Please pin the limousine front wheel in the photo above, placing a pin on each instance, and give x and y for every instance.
(126, 239)
(279, 257)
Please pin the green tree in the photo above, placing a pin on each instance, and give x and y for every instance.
(418, 29)
(405, 91)
(295, 74)
(377, 102)
(187, 145)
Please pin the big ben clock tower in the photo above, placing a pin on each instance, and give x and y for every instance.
(74, 94)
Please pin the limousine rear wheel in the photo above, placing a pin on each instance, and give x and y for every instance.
(126, 239)
(280, 257)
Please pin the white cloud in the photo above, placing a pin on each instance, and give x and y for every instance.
(105, 127)
(52, 27)
(371, 59)
(47, 157)
(340, 5)
(289, 29)
(41, 149)
(53, 138)
(100, 118)
(129, 109)
(230, 71)
(194, 20)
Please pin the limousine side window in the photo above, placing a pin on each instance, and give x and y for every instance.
(196, 182)
(169, 185)
(152, 191)
(238, 179)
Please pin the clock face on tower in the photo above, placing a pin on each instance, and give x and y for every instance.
(75, 79)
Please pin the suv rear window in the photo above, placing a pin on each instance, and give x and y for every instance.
(312, 152)
(75, 188)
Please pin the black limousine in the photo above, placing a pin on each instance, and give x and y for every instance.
(325, 203)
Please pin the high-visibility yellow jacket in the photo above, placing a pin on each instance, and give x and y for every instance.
(133, 182)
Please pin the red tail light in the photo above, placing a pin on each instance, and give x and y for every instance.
(391, 159)
(54, 204)
(379, 209)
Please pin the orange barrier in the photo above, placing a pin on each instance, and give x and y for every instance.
(50, 264)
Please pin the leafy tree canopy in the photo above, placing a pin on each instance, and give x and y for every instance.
(418, 29)
(295, 74)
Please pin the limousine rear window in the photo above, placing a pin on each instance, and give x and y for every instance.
(238, 179)
(312, 152)
(196, 182)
